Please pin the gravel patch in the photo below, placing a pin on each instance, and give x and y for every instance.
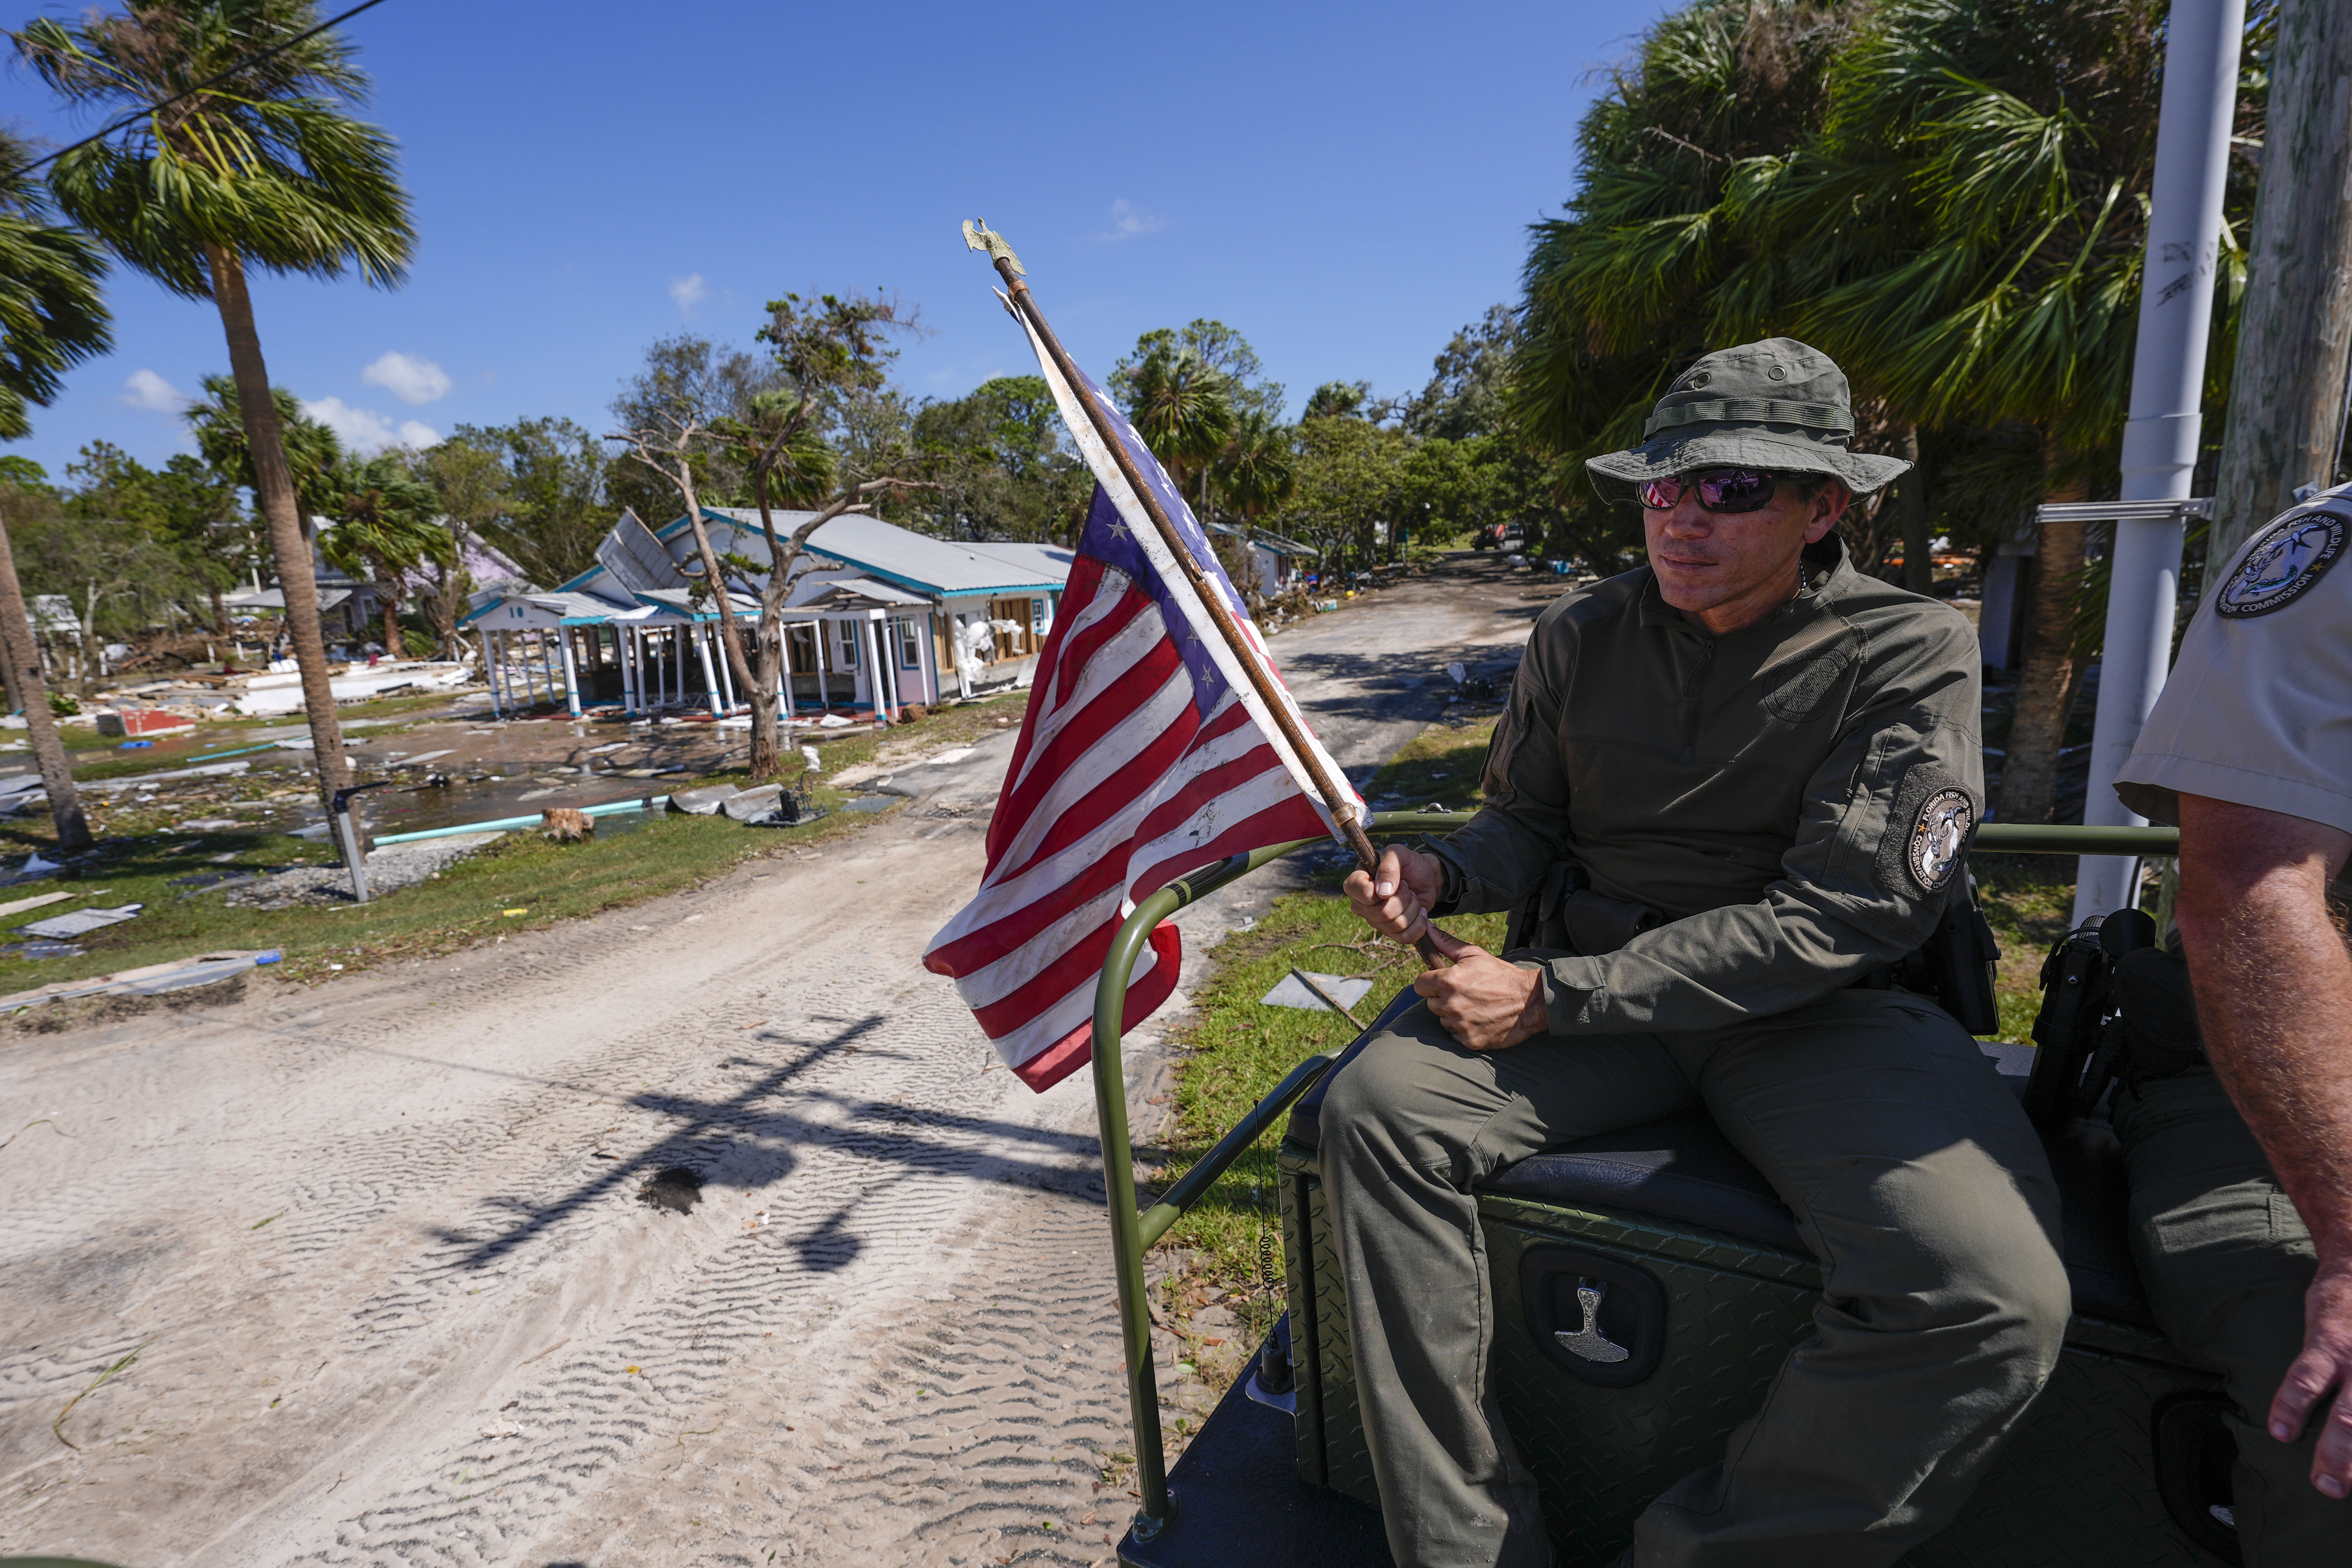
(389, 870)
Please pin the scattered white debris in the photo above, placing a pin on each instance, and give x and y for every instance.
(496, 1428)
(1350, 989)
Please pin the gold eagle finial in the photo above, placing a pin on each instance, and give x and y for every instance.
(977, 236)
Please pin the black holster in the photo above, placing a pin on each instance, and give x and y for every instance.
(1957, 964)
(1565, 913)
(2115, 1007)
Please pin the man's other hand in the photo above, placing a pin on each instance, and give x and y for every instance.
(1483, 1002)
(2323, 1368)
(1394, 899)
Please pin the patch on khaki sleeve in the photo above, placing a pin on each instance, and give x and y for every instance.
(1927, 831)
(2280, 567)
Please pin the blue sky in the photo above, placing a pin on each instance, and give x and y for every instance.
(1344, 184)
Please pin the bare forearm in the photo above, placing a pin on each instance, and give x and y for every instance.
(2273, 985)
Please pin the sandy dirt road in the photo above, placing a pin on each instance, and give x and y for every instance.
(376, 1254)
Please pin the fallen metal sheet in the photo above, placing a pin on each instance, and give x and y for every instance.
(19, 906)
(132, 781)
(1291, 993)
(81, 923)
(151, 980)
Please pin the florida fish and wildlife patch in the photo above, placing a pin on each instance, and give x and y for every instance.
(2282, 565)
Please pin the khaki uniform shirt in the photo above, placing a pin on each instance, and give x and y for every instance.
(2258, 709)
(1795, 797)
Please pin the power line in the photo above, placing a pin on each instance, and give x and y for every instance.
(205, 85)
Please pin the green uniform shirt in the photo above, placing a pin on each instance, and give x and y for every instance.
(1794, 797)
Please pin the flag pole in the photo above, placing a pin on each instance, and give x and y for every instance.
(978, 237)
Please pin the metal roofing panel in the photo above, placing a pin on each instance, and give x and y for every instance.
(634, 557)
(941, 567)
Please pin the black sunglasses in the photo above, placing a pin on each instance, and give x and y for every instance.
(1719, 490)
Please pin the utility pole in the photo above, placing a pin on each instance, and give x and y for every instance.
(2287, 396)
(2161, 437)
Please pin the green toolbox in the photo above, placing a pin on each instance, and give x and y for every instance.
(1648, 1284)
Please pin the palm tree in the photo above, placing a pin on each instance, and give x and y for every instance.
(1256, 472)
(1184, 407)
(1627, 287)
(387, 525)
(264, 169)
(51, 317)
(1965, 235)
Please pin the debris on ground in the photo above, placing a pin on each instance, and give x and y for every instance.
(747, 806)
(80, 923)
(676, 1189)
(702, 802)
(389, 870)
(1292, 993)
(19, 906)
(150, 980)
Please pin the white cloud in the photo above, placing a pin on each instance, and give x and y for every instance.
(689, 291)
(364, 430)
(147, 390)
(1127, 220)
(408, 378)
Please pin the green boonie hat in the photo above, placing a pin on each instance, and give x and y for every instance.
(1777, 405)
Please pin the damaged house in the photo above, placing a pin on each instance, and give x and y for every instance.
(878, 617)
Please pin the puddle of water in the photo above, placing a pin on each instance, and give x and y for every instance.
(412, 810)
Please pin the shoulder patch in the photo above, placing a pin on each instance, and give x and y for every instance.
(1939, 837)
(1928, 826)
(2289, 556)
(1808, 682)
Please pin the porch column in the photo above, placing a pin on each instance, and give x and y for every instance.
(784, 663)
(726, 667)
(571, 671)
(702, 635)
(875, 675)
(824, 667)
(490, 676)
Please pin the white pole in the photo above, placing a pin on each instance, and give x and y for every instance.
(2160, 456)
(703, 637)
(823, 668)
(490, 676)
(571, 671)
(726, 667)
(881, 669)
(785, 660)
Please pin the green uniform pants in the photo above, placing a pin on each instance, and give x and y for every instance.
(2225, 1260)
(1914, 1179)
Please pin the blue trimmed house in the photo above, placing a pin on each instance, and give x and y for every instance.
(878, 617)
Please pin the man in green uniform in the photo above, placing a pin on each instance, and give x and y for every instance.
(1763, 768)
(2242, 1167)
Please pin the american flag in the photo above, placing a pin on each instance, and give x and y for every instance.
(1146, 753)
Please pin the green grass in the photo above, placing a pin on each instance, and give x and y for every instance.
(631, 860)
(2029, 900)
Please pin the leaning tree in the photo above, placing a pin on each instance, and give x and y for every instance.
(51, 317)
(238, 152)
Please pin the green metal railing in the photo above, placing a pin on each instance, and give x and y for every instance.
(1133, 1231)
